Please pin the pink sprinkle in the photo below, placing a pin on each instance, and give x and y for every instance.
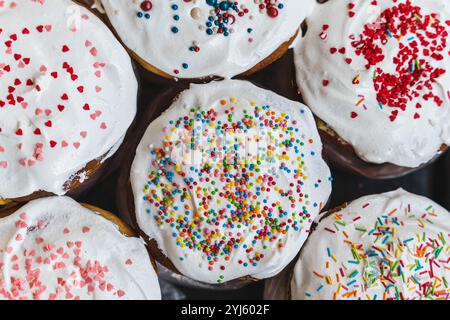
(21, 224)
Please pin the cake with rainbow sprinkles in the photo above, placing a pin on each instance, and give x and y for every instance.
(228, 181)
(391, 246)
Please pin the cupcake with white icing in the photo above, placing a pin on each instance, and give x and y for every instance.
(226, 183)
(205, 38)
(376, 75)
(391, 246)
(56, 249)
(68, 97)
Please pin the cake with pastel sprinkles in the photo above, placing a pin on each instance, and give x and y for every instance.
(227, 182)
(391, 246)
(56, 249)
(68, 95)
(198, 39)
(375, 74)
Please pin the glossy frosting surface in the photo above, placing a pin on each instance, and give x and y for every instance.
(55, 249)
(392, 246)
(376, 73)
(228, 181)
(200, 38)
(67, 94)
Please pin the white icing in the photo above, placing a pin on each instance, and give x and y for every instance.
(403, 231)
(226, 56)
(240, 95)
(54, 239)
(102, 77)
(416, 134)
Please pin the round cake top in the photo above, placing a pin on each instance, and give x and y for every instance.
(200, 38)
(229, 180)
(392, 246)
(55, 249)
(376, 73)
(67, 96)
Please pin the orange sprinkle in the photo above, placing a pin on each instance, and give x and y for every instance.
(392, 212)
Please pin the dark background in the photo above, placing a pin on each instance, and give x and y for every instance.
(429, 182)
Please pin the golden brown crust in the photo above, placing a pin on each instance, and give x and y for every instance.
(322, 126)
(4, 202)
(123, 227)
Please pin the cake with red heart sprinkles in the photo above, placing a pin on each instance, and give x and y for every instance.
(67, 97)
(375, 74)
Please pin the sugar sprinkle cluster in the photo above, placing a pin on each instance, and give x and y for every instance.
(405, 260)
(33, 267)
(233, 204)
(26, 83)
(420, 42)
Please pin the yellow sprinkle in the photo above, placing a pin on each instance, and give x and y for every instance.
(357, 79)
